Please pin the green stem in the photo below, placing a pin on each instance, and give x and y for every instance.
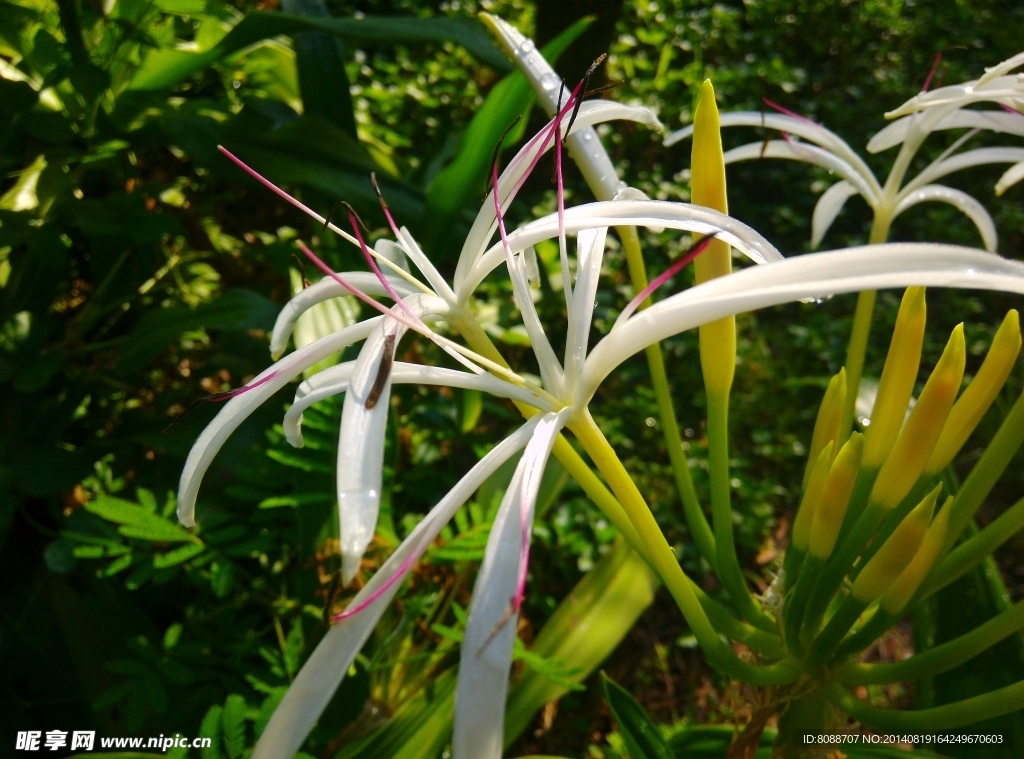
(975, 549)
(858, 345)
(987, 471)
(796, 608)
(840, 623)
(719, 653)
(729, 570)
(941, 658)
(866, 634)
(698, 523)
(946, 717)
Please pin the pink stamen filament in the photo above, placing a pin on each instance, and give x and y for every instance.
(229, 394)
(1008, 109)
(416, 326)
(935, 67)
(787, 112)
(695, 250)
(402, 570)
(376, 270)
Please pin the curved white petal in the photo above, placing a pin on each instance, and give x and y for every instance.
(633, 193)
(799, 151)
(966, 204)
(815, 275)
(827, 209)
(320, 676)
(360, 470)
(485, 225)
(550, 370)
(491, 629)
(429, 271)
(1013, 175)
(335, 380)
(589, 255)
(641, 213)
(976, 157)
(238, 409)
(803, 128)
(325, 289)
(993, 121)
(962, 94)
(1000, 69)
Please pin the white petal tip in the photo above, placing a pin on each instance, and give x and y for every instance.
(350, 564)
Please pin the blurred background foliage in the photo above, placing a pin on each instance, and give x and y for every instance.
(140, 270)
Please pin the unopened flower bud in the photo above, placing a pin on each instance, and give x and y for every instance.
(896, 553)
(896, 598)
(979, 395)
(917, 439)
(707, 188)
(801, 535)
(835, 497)
(898, 377)
(826, 426)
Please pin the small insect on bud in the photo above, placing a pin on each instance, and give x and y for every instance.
(835, 497)
(826, 426)
(898, 377)
(979, 395)
(896, 553)
(917, 439)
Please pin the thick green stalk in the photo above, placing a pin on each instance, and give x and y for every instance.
(729, 571)
(698, 523)
(946, 717)
(942, 658)
(829, 639)
(719, 654)
(858, 345)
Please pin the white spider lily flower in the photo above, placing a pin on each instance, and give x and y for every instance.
(929, 112)
(327, 666)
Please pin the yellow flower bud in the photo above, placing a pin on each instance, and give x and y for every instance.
(979, 395)
(801, 535)
(896, 598)
(896, 553)
(918, 437)
(826, 426)
(835, 497)
(898, 377)
(707, 188)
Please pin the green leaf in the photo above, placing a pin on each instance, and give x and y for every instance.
(464, 178)
(233, 725)
(138, 522)
(639, 732)
(177, 556)
(472, 405)
(210, 728)
(163, 68)
(295, 646)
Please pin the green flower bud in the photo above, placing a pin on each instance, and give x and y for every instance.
(919, 435)
(898, 377)
(896, 598)
(826, 426)
(979, 395)
(896, 553)
(801, 534)
(835, 497)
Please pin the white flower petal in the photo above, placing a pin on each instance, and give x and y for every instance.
(977, 157)
(491, 628)
(1000, 69)
(238, 409)
(589, 255)
(643, 213)
(550, 370)
(965, 203)
(326, 289)
(804, 128)
(1013, 175)
(993, 121)
(814, 275)
(827, 209)
(965, 93)
(799, 151)
(393, 252)
(430, 273)
(361, 439)
(335, 380)
(320, 676)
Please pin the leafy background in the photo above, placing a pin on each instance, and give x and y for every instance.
(139, 271)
